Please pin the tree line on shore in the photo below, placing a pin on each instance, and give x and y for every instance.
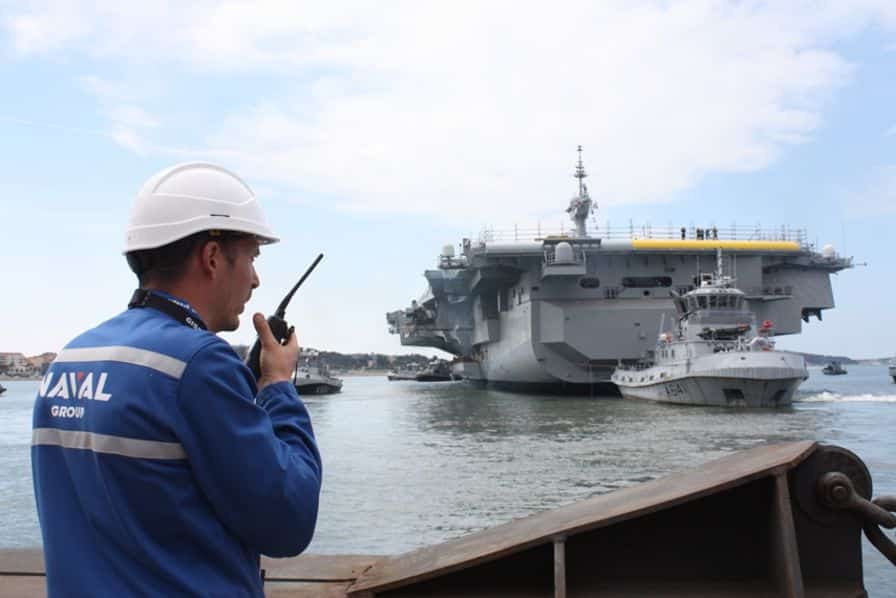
(35, 367)
(354, 361)
(374, 361)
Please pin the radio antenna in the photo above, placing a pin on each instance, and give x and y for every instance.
(281, 309)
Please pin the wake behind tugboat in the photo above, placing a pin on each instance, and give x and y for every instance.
(715, 356)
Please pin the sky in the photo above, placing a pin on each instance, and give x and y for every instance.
(377, 132)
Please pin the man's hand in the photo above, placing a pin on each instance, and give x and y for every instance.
(277, 361)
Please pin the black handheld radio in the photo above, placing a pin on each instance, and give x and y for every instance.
(278, 325)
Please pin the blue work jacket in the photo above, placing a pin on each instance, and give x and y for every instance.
(159, 472)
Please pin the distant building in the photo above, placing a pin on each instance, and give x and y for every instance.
(40, 363)
(16, 364)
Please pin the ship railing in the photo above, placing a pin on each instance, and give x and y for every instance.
(733, 232)
(636, 366)
(783, 291)
(833, 259)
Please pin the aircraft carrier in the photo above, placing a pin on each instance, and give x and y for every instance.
(532, 311)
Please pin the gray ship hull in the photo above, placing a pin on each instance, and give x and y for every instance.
(604, 389)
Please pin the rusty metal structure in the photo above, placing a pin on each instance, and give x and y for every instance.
(777, 520)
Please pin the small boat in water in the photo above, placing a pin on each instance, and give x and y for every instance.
(313, 378)
(835, 368)
(892, 370)
(401, 374)
(438, 370)
(716, 355)
(2, 389)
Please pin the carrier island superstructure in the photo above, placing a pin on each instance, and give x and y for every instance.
(558, 312)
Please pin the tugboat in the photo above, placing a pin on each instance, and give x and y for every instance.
(715, 356)
(835, 368)
(401, 374)
(313, 378)
(438, 370)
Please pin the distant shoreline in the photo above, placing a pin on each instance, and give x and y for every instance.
(365, 373)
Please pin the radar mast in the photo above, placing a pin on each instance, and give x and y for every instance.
(580, 206)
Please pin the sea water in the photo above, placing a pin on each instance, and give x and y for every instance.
(409, 464)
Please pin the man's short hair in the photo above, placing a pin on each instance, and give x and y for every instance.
(168, 263)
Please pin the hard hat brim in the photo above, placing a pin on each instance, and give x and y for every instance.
(153, 236)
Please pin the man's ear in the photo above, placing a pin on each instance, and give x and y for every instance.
(210, 257)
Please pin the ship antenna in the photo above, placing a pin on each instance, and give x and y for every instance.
(721, 279)
(581, 174)
(580, 206)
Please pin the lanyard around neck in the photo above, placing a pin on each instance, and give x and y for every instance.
(146, 298)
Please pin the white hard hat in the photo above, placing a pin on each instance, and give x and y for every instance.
(190, 198)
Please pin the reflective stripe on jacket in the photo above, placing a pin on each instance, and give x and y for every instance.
(157, 471)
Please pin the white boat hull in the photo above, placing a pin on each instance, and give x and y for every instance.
(736, 379)
(721, 392)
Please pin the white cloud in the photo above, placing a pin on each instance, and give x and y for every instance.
(133, 116)
(128, 138)
(467, 108)
(108, 92)
(129, 123)
(52, 28)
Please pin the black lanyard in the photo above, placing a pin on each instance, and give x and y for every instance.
(145, 298)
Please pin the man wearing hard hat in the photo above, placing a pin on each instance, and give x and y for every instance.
(161, 466)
